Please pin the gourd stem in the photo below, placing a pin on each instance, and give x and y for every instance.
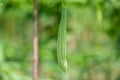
(62, 3)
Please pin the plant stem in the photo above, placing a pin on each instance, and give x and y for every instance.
(35, 41)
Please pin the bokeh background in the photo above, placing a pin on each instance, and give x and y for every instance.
(93, 39)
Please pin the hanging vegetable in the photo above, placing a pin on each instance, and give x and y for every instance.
(99, 13)
(61, 42)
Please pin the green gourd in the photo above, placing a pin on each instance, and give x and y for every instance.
(61, 42)
(99, 13)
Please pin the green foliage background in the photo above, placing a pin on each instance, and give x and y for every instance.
(93, 36)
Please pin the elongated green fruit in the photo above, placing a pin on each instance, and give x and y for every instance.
(61, 42)
(99, 13)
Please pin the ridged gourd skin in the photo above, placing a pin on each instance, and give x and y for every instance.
(61, 42)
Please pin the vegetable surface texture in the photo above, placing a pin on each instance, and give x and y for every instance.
(61, 42)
